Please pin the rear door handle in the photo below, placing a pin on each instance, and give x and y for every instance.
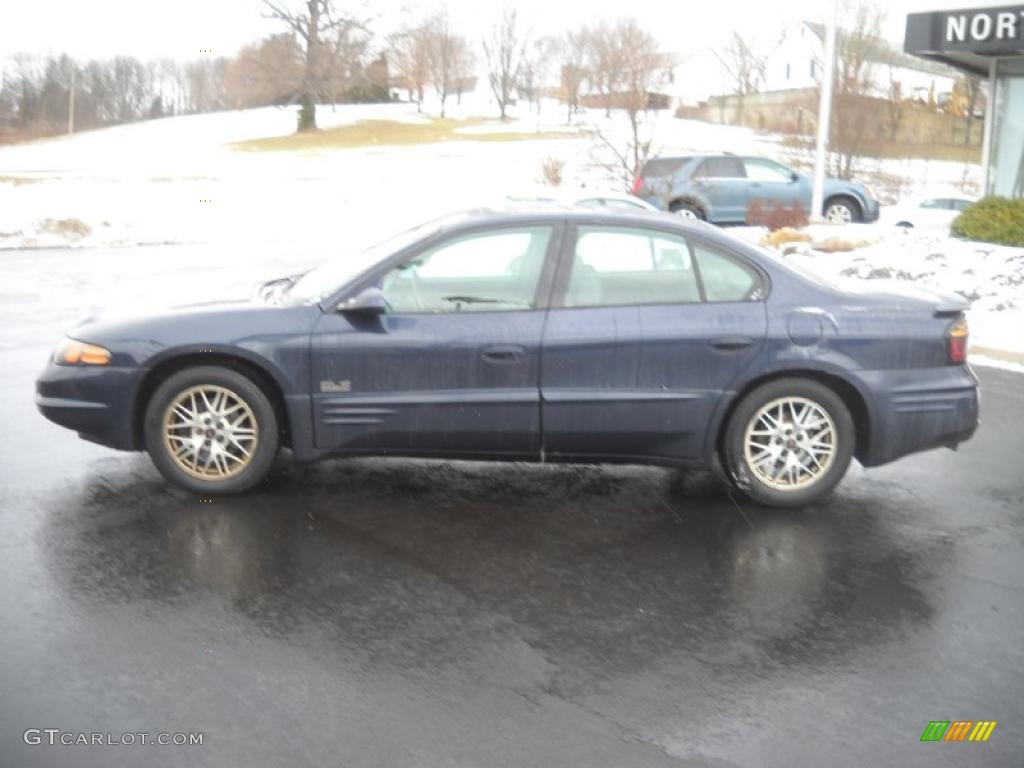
(503, 353)
(730, 343)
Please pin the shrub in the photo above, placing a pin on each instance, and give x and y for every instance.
(992, 220)
(785, 235)
(551, 171)
(775, 214)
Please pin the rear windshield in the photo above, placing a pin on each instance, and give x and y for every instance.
(663, 166)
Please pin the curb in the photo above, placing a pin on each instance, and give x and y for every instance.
(1006, 355)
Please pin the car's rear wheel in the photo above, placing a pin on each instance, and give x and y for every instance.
(211, 430)
(841, 210)
(789, 442)
(687, 211)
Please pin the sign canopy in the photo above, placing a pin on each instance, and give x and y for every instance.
(967, 39)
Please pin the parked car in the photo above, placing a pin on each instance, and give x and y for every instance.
(718, 188)
(584, 199)
(933, 210)
(546, 335)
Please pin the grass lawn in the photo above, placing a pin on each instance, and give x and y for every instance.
(18, 180)
(371, 133)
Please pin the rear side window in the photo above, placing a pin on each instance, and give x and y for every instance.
(958, 204)
(721, 168)
(725, 278)
(663, 166)
(620, 267)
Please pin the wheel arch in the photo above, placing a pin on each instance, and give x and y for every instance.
(168, 366)
(847, 197)
(852, 398)
(679, 200)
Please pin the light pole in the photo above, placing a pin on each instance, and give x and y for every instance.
(824, 113)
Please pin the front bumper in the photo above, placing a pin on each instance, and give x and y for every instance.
(915, 410)
(94, 401)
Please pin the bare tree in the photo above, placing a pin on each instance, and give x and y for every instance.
(410, 56)
(537, 59)
(442, 49)
(463, 67)
(744, 63)
(267, 72)
(972, 90)
(604, 62)
(504, 48)
(896, 104)
(571, 54)
(857, 45)
(324, 36)
(642, 68)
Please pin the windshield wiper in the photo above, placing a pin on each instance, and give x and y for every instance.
(482, 300)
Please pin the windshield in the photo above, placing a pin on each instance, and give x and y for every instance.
(321, 282)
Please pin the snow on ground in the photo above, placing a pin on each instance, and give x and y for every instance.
(179, 180)
(991, 276)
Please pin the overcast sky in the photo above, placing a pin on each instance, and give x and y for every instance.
(180, 28)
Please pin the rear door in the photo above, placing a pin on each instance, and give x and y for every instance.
(771, 182)
(637, 348)
(722, 183)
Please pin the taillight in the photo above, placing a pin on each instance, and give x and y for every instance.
(638, 184)
(956, 341)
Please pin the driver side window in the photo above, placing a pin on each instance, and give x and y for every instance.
(488, 271)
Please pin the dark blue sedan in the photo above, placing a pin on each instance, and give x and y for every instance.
(549, 335)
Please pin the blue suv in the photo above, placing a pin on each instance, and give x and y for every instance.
(719, 188)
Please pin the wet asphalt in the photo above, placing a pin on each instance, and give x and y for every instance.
(405, 613)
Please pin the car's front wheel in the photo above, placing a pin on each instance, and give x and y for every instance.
(841, 210)
(789, 442)
(211, 430)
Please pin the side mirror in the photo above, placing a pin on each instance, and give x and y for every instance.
(369, 301)
(794, 176)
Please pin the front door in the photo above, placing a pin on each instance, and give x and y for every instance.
(452, 368)
(772, 183)
(648, 332)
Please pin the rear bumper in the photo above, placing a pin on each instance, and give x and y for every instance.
(871, 210)
(95, 402)
(917, 410)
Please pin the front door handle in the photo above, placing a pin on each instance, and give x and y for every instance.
(503, 353)
(731, 343)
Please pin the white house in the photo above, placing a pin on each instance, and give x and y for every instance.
(796, 64)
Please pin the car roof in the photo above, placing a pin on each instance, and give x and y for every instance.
(553, 213)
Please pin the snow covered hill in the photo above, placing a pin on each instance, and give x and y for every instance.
(181, 180)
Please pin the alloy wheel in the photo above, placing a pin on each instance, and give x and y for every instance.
(837, 213)
(789, 443)
(211, 433)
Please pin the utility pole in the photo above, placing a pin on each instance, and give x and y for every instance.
(824, 113)
(71, 103)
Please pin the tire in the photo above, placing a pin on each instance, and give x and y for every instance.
(768, 478)
(841, 210)
(687, 211)
(249, 427)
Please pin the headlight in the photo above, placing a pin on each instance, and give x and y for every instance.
(73, 352)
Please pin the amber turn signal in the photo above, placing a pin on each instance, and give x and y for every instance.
(72, 352)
